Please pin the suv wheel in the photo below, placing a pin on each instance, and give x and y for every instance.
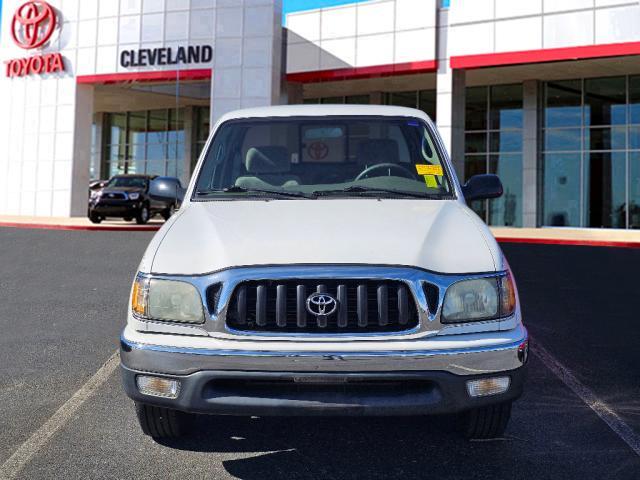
(168, 212)
(160, 422)
(95, 218)
(486, 422)
(143, 215)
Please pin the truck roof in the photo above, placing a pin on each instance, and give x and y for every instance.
(324, 111)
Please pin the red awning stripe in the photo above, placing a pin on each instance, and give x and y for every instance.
(427, 66)
(156, 76)
(545, 55)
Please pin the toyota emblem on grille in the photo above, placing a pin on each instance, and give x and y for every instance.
(321, 304)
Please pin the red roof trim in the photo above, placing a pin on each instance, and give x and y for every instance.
(545, 55)
(427, 66)
(157, 76)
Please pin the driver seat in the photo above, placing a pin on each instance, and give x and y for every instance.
(267, 166)
(376, 151)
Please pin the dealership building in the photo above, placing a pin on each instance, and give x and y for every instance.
(544, 93)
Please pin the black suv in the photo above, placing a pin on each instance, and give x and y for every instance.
(136, 196)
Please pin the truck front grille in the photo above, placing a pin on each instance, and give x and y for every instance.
(115, 196)
(363, 306)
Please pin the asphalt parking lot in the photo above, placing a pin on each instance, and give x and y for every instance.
(62, 305)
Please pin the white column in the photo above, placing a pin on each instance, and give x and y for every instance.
(530, 166)
(248, 56)
(450, 98)
(81, 150)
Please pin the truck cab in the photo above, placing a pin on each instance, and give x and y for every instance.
(324, 261)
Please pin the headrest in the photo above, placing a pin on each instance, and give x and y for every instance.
(373, 152)
(268, 159)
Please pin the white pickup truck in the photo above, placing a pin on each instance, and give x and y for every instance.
(324, 262)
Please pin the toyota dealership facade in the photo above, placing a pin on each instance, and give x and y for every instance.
(544, 93)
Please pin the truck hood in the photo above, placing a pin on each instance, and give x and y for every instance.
(441, 236)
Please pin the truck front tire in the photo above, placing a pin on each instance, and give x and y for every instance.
(143, 215)
(159, 422)
(486, 422)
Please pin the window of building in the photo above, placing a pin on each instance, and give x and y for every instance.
(493, 144)
(424, 100)
(203, 127)
(152, 142)
(347, 100)
(590, 151)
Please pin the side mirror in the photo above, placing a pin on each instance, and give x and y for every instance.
(481, 187)
(158, 189)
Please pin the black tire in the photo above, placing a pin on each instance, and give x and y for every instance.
(160, 422)
(168, 212)
(128, 219)
(486, 422)
(95, 218)
(143, 215)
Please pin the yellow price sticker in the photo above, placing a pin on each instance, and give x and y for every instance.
(430, 170)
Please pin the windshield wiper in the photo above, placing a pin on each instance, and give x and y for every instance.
(375, 190)
(238, 189)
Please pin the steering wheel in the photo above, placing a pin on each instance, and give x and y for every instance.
(388, 166)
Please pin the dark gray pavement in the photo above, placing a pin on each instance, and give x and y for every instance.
(62, 304)
(582, 304)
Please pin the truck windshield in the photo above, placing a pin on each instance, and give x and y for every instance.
(324, 157)
(128, 182)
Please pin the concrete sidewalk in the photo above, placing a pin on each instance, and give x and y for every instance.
(77, 223)
(570, 236)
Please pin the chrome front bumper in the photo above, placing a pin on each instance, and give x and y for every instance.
(470, 354)
(288, 382)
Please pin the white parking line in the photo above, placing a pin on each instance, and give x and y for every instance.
(606, 413)
(16, 462)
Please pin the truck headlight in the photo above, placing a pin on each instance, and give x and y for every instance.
(134, 196)
(166, 300)
(479, 299)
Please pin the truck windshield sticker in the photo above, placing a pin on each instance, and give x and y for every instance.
(430, 170)
(431, 181)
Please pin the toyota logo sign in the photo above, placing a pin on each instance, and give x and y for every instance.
(318, 150)
(321, 304)
(33, 24)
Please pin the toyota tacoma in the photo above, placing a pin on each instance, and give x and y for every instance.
(325, 262)
(138, 197)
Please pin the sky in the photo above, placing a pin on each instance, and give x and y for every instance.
(298, 5)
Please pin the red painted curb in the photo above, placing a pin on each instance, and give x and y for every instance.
(103, 228)
(562, 241)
